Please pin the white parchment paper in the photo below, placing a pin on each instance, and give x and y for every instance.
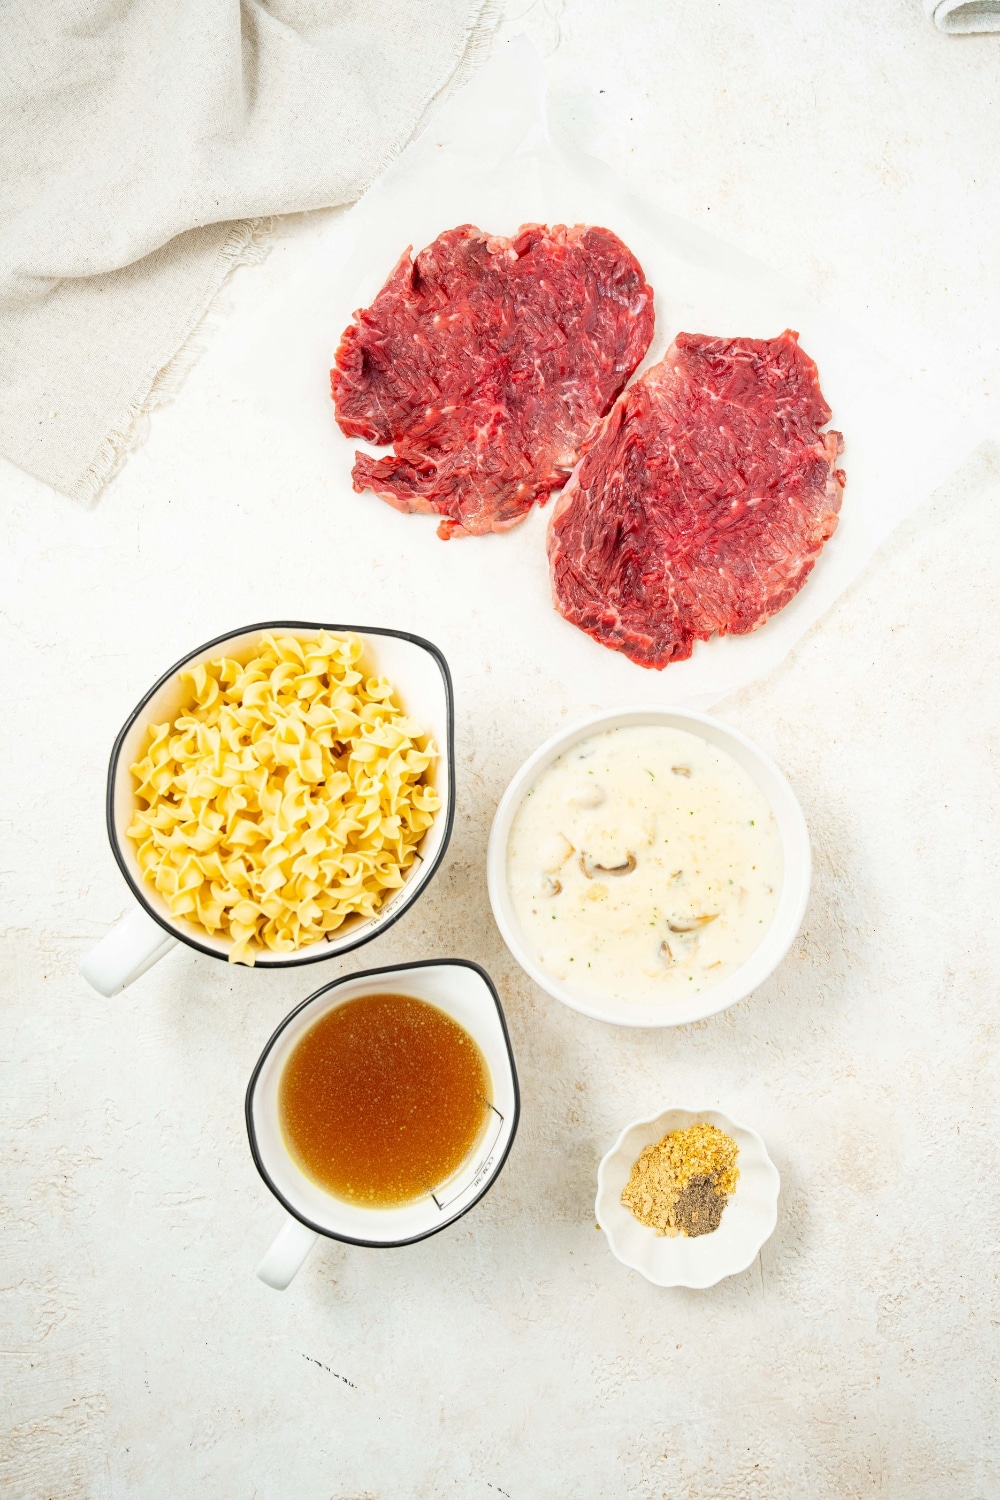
(487, 159)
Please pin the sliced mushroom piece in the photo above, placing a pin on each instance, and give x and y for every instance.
(681, 770)
(591, 868)
(550, 885)
(665, 956)
(691, 924)
(555, 852)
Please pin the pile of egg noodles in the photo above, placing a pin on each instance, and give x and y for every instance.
(288, 795)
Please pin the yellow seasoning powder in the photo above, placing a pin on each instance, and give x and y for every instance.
(680, 1185)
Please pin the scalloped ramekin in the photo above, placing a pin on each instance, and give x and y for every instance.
(747, 1222)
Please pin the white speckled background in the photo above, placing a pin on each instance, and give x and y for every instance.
(854, 148)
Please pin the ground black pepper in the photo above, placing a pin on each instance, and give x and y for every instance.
(699, 1207)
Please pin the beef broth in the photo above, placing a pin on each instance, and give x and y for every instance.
(383, 1098)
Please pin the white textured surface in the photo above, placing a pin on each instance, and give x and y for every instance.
(512, 1355)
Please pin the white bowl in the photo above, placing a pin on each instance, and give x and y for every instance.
(747, 1222)
(419, 672)
(791, 902)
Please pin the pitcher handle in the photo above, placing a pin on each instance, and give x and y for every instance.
(132, 946)
(286, 1253)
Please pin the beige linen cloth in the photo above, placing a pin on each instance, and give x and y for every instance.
(141, 144)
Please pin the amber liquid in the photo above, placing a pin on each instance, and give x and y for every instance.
(383, 1098)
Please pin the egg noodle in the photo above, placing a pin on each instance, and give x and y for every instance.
(289, 794)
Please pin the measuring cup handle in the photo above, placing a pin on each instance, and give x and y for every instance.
(287, 1252)
(132, 946)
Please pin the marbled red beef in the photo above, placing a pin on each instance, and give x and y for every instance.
(485, 362)
(703, 499)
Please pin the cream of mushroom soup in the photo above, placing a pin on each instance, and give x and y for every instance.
(645, 863)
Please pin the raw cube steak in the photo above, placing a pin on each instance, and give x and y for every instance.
(702, 502)
(485, 362)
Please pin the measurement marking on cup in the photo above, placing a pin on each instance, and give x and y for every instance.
(329, 1371)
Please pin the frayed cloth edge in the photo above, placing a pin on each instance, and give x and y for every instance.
(248, 244)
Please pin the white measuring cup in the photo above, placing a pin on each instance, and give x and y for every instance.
(418, 671)
(463, 991)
